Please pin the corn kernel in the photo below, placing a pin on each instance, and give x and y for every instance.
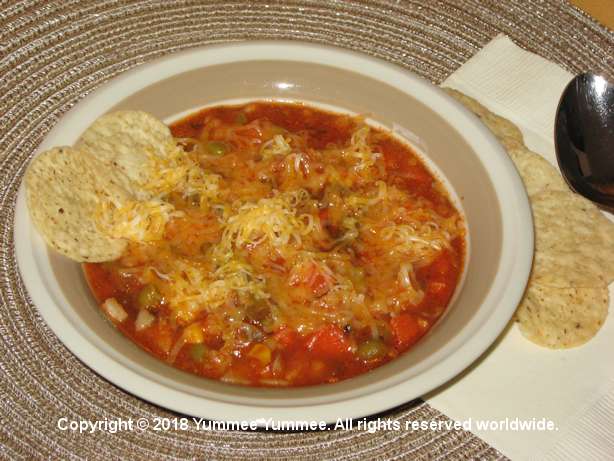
(261, 353)
(194, 334)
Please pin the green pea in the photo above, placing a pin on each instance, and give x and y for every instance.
(149, 297)
(198, 351)
(372, 349)
(215, 147)
(241, 118)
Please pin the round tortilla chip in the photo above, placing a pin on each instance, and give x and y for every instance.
(124, 141)
(506, 132)
(536, 172)
(64, 188)
(574, 241)
(568, 269)
(560, 318)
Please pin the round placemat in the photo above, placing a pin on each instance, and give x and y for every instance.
(54, 53)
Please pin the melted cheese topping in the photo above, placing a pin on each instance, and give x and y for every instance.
(420, 241)
(192, 288)
(136, 221)
(268, 246)
(274, 220)
(179, 172)
(360, 150)
(145, 221)
(278, 145)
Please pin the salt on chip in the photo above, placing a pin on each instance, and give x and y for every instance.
(126, 141)
(64, 187)
(562, 318)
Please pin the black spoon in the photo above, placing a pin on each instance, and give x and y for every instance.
(584, 137)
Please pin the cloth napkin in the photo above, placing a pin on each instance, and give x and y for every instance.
(573, 388)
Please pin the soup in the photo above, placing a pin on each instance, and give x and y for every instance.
(315, 248)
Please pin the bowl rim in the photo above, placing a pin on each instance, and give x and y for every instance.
(514, 265)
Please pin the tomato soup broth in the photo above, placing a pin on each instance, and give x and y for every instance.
(325, 248)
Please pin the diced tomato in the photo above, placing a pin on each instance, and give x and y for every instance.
(311, 276)
(440, 280)
(405, 331)
(319, 284)
(286, 336)
(329, 342)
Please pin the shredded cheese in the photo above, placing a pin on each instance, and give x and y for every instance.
(277, 145)
(270, 219)
(361, 202)
(193, 288)
(407, 279)
(360, 151)
(179, 172)
(418, 243)
(136, 221)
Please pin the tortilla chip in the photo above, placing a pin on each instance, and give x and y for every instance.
(574, 241)
(566, 269)
(566, 300)
(561, 318)
(506, 132)
(537, 173)
(64, 187)
(124, 141)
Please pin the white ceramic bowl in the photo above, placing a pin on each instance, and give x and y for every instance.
(456, 144)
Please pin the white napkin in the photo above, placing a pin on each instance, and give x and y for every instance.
(516, 379)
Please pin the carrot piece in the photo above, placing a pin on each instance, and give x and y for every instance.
(329, 342)
(405, 331)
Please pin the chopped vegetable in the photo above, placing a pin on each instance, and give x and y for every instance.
(198, 351)
(115, 310)
(329, 342)
(215, 147)
(372, 349)
(144, 320)
(194, 334)
(261, 353)
(241, 118)
(405, 330)
(149, 297)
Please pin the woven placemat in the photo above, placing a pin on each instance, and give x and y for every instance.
(54, 53)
